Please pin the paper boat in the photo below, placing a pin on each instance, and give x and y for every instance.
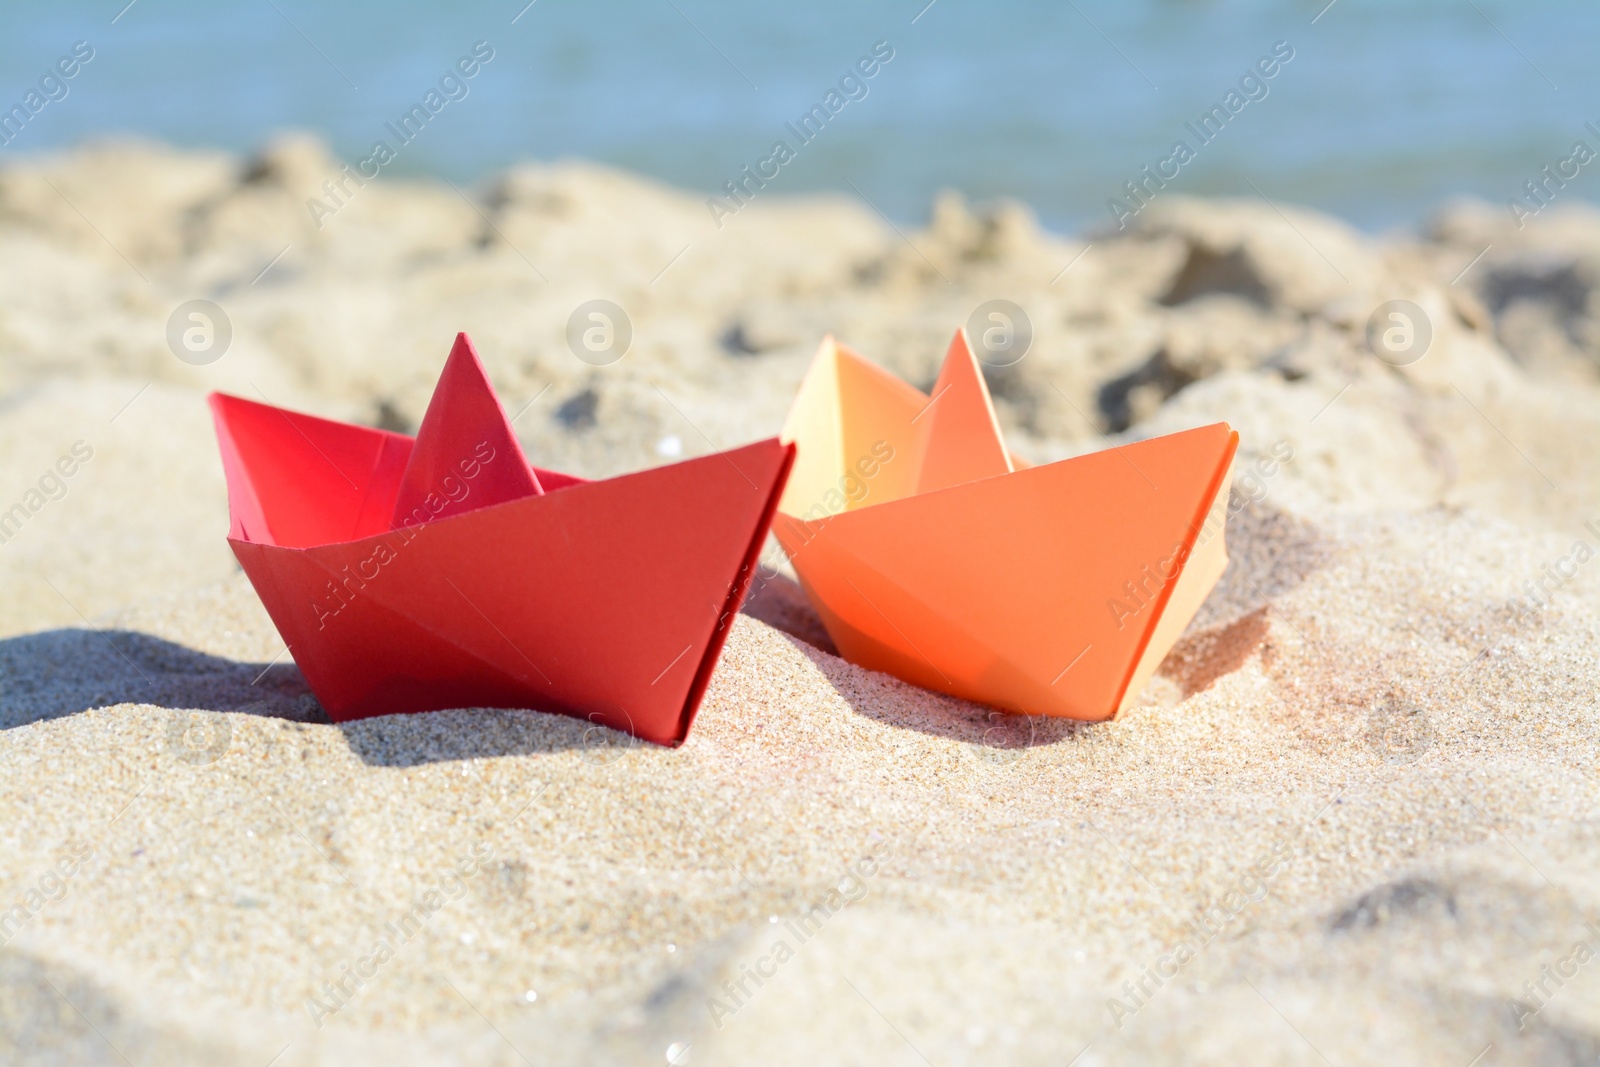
(444, 571)
(933, 554)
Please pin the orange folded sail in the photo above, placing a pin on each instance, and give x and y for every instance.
(934, 555)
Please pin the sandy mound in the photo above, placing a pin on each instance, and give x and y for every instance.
(1351, 821)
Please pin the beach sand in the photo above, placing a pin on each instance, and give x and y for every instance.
(1352, 820)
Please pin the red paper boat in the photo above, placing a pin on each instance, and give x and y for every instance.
(444, 572)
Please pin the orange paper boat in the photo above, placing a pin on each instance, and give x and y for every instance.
(933, 554)
(445, 572)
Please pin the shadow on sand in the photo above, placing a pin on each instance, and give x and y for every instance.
(57, 673)
(54, 673)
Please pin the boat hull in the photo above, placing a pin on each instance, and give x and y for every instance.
(607, 600)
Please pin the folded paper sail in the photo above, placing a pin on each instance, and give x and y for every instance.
(444, 571)
(933, 554)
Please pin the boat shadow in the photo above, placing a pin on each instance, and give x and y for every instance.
(57, 673)
(988, 733)
(1272, 553)
(778, 601)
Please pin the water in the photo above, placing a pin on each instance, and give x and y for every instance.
(1385, 110)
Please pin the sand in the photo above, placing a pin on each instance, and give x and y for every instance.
(1353, 819)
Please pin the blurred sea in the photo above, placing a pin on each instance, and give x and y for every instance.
(1387, 108)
